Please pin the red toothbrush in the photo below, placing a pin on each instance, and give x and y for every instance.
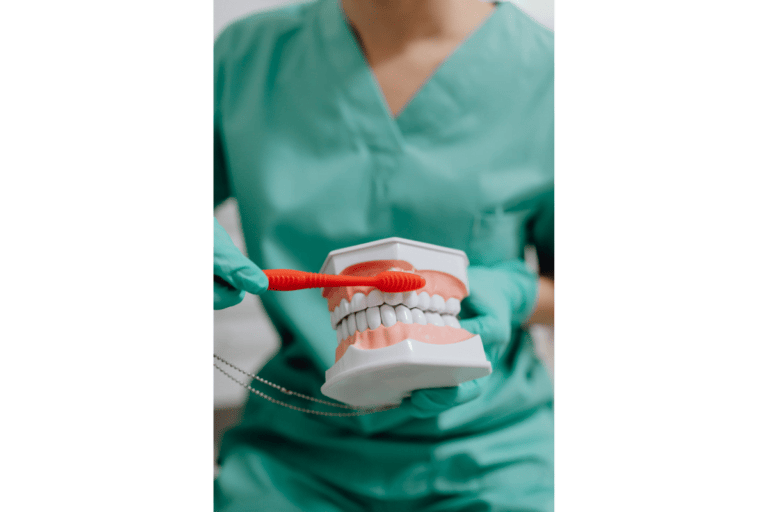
(391, 282)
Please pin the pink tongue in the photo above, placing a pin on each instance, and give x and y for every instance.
(385, 336)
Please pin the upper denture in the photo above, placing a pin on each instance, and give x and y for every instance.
(438, 283)
(411, 300)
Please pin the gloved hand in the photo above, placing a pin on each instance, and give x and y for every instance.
(502, 298)
(233, 273)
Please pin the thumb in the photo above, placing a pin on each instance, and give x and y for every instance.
(492, 331)
(477, 304)
(231, 265)
(250, 278)
(431, 402)
(474, 325)
(224, 296)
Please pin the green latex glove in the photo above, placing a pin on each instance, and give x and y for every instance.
(502, 298)
(233, 273)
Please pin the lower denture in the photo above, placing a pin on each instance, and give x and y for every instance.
(385, 336)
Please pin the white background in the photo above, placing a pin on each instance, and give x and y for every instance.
(660, 157)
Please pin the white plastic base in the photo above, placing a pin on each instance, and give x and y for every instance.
(387, 375)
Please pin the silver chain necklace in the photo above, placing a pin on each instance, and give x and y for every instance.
(359, 411)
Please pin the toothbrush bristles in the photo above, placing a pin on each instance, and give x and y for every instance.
(393, 282)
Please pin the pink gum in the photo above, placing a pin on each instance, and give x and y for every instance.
(441, 283)
(385, 336)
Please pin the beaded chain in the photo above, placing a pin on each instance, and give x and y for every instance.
(358, 411)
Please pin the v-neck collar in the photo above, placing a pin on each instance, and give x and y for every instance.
(360, 86)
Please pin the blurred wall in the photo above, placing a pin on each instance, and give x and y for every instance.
(226, 11)
(243, 334)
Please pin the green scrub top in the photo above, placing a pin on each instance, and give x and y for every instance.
(306, 143)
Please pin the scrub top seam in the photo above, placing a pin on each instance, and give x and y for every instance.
(445, 62)
(338, 38)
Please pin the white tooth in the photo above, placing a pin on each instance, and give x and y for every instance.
(351, 324)
(338, 335)
(434, 319)
(360, 321)
(373, 316)
(375, 298)
(451, 321)
(333, 318)
(344, 331)
(403, 314)
(388, 316)
(423, 301)
(343, 308)
(411, 299)
(393, 299)
(437, 304)
(418, 316)
(358, 303)
(452, 306)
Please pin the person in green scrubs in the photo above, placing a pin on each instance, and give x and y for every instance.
(342, 122)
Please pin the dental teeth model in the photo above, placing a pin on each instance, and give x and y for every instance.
(390, 344)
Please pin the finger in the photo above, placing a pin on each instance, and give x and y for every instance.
(239, 271)
(476, 325)
(223, 282)
(493, 334)
(477, 304)
(250, 279)
(225, 296)
(431, 402)
(232, 265)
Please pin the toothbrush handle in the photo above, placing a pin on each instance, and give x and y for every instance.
(286, 280)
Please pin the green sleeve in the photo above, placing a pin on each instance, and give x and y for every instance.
(541, 231)
(221, 188)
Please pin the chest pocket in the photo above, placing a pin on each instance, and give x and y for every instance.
(497, 236)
